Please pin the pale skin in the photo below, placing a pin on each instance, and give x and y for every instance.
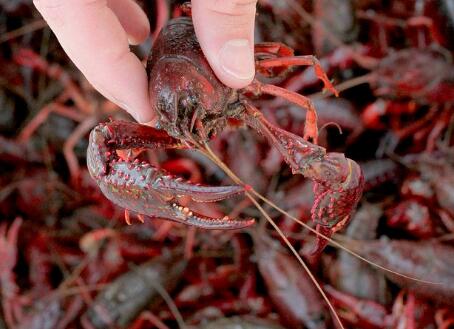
(96, 35)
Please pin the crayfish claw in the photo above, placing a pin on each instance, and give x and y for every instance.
(320, 242)
(338, 181)
(187, 216)
(144, 189)
(336, 195)
(127, 217)
(201, 193)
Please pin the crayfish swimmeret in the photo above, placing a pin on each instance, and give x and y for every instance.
(192, 105)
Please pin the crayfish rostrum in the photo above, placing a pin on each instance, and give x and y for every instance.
(192, 105)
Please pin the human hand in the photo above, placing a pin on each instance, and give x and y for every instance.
(96, 35)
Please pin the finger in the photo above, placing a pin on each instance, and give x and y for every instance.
(92, 36)
(225, 29)
(132, 18)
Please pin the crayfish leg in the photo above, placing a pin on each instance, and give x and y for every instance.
(141, 218)
(299, 60)
(310, 128)
(8, 245)
(8, 255)
(127, 217)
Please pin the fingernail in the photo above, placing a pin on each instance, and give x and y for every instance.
(236, 59)
(152, 123)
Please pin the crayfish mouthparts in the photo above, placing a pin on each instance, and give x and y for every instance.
(139, 187)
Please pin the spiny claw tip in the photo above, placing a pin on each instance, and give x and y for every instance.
(127, 217)
(141, 218)
(185, 215)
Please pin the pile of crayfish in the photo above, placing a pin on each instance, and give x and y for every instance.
(273, 206)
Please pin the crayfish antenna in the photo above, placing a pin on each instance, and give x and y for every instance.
(334, 242)
(251, 192)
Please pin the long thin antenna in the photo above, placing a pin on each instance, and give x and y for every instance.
(333, 242)
(289, 245)
(170, 303)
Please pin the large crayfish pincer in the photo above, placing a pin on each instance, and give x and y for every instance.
(144, 189)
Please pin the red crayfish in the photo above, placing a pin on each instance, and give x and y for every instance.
(192, 105)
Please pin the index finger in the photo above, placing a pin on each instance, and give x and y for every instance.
(95, 40)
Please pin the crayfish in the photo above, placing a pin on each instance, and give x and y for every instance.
(192, 106)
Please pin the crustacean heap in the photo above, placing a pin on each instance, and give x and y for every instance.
(68, 261)
(192, 105)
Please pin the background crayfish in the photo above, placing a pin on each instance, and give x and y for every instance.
(68, 260)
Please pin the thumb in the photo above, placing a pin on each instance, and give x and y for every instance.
(225, 30)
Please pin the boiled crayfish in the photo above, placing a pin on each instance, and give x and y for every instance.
(192, 105)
